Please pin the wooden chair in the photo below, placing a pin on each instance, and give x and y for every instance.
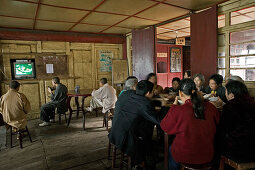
(205, 166)
(20, 135)
(122, 158)
(60, 112)
(106, 118)
(237, 165)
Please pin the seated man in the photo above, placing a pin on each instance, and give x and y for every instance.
(58, 100)
(14, 107)
(130, 84)
(133, 122)
(175, 86)
(104, 97)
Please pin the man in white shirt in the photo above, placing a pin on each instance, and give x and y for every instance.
(104, 97)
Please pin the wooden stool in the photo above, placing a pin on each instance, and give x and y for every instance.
(106, 118)
(20, 134)
(60, 113)
(224, 160)
(196, 166)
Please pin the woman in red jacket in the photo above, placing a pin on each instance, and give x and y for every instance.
(194, 126)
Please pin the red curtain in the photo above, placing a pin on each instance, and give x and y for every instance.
(204, 42)
(143, 51)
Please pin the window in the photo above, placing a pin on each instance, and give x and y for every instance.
(242, 48)
(236, 41)
(243, 15)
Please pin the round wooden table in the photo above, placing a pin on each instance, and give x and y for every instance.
(82, 93)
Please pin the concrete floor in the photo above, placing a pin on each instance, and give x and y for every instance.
(61, 147)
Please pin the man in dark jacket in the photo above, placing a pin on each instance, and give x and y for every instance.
(133, 122)
(58, 100)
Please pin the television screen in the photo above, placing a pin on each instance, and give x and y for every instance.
(23, 69)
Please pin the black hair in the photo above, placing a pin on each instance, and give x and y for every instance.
(14, 84)
(176, 79)
(237, 88)
(103, 80)
(56, 80)
(200, 76)
(131, 77)
(150, 75)
(188, 87)
(144, 87)
(217, 78)
(188, 73)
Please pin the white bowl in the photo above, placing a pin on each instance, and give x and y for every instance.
(213, 99)
(207, 96)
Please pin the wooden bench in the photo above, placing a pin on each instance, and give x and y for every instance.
(239, 166)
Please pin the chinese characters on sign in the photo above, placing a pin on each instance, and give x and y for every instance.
(105, 58)
(175, 59)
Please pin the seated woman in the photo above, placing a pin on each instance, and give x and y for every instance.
(216, 89)
(194, 126)
(187, 74)
(237, 127)
(157, 89)
(199, 80)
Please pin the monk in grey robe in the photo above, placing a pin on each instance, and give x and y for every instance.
(104, 97)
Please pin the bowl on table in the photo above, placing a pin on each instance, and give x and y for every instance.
(213, 99)
(207, 96)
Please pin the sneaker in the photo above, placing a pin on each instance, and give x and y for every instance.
(88, 109)
(44, 124)
(52, 120)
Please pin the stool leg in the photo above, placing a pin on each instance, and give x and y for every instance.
(109, 151)
(121, 160)
(65, 117)
(11, 136)
(114, 157)
(182, 168)
(129, 163)
(29, 135)
(20, 139)
(59, 118)
(222, 162)
(104, 124)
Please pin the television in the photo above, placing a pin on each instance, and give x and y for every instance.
(23, 69)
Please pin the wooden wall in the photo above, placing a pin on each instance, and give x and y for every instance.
(83, 66)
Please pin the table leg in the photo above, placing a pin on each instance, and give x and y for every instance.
(83, 111)
(78, 107)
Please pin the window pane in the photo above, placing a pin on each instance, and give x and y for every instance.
(221, 62)
(242, 49)
(242, 62)
(221, 40)
(244, 15)
(221, 51)
(242, 36)
(221, 21)
(247, 75)
(222, 72)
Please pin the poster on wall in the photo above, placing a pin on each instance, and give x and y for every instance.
(175, 59)
(105, 58)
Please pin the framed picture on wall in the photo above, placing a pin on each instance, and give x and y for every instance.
(175, 59)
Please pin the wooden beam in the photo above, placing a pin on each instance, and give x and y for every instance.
(36, 13)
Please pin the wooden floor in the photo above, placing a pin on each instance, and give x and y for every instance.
(61, 147)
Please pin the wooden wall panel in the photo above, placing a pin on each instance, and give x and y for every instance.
(204, 42)
(82, 61)
(143, 52)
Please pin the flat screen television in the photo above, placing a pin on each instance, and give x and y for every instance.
(23, 69)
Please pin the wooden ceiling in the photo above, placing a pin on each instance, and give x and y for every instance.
(97, 16)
